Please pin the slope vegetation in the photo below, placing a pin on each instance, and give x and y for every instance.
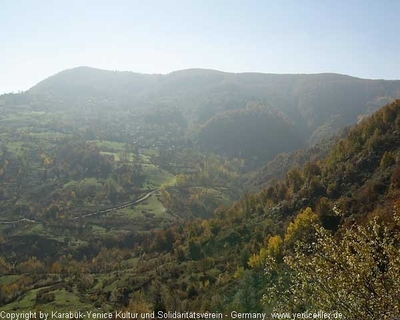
(317, 105)
(346, 203)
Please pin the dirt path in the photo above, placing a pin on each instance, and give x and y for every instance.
(120, 206)
(17, 221)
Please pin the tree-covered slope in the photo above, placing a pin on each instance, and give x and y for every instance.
(329, 227)
(349, 196)
(333, 218)
(317, 105)
(256, 132)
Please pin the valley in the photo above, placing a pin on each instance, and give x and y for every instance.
(192, 190)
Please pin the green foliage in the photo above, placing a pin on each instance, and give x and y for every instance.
(246, 297)
(93, 246)
(195, 252)
(257, 261)
(356, 275)
(294, 179)
(256, 131)
(388, 159)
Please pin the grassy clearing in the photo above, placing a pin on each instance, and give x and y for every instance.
(130, 263)
(19, 117)
(110, 154)
(156, 176)
(85, 183)
(144, 158)
(16, 147)
(64, 301)
(131, 212)
(35, 113)
(150, 206)
(155, 206)
(219, 195)
(109, 146)
(37, 228)
(96, 229)
(26, 303)
(7, 280)
(117, 158)
(47, 135)
(149, 152)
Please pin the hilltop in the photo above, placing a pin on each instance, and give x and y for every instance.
(315, 106)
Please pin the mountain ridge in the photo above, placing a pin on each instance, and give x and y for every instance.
(318, 105)
(209, 70)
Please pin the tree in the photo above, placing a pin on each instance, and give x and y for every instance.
(275, 247)
(111, 190)
(387, 159)
(166, 196)
(294, 180)
(32, 265)
(245, 298)
(257, 261)
(329, 219)
(302, 227)
(357, 275)
(194, 250)
(4, 266)
(139, 304)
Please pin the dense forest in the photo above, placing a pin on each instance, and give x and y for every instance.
(201, 191)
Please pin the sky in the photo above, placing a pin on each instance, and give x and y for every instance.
(40, 38)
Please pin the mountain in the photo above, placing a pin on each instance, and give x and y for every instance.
(316, 104)
(329, 224)
(109, 200)
(85, 82)
(333, 218)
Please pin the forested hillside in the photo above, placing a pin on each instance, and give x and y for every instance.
(121, 191)
(315, 106)
(254, 132)
(328, 234)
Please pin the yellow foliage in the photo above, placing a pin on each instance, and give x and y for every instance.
(275, 246)
(180, 180)
(47, 161)
(238, 273)
(166, 196)
(257, 261)
(4, 267)
(301, 226)
(387, 159)
(139, 304)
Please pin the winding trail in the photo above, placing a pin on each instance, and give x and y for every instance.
(17, 221)
(120, 206)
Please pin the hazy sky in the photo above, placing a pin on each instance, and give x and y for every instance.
(40, 38)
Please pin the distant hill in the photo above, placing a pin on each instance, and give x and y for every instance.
(315, 105)
(356, 183)
(254, 132)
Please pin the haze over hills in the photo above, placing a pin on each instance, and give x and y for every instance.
(163, 191)
(310, 107)
(109, 205)
(125, 190)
